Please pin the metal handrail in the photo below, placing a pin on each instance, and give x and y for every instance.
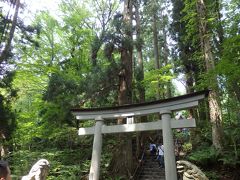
(140, 162)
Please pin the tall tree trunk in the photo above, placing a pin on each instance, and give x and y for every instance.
(123, 165)
(125, 75)
(5, 53)
(96, 45)
(156, 50)
(140, 71)
(214, 105)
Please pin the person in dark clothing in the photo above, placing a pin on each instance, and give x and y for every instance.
(5, 173)
(153, 148)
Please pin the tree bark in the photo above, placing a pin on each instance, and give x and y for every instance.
(139, 73)
(123, 165)
(214, 105)
(156, 50)
(125, 75)
(5, 52)
(140, 68)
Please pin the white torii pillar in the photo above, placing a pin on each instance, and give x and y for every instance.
(169, 155)
(97, 150)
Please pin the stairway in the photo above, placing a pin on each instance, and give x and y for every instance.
(150, 170)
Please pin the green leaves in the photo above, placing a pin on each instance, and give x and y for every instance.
(229, 66)
(158, 75)
(51, 76)
(189, 18)
(204, 156)
(155, 77)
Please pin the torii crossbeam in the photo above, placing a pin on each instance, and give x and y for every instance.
(164, 107)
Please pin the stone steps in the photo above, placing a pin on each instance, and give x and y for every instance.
(150, 170)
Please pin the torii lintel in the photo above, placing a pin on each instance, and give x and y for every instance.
(172, 104)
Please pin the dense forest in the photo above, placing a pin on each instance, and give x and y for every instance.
(103, 53)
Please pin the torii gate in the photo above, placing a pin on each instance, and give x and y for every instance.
(164, 107)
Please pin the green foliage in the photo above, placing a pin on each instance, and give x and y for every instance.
(187, 147)
(212, 175)
(229, 158)
(7, 118)
(185, 31)
(7, 96)
(190, 19)
(204, 155)
(155, 77)
(64, 164)
(49, 76)
(233, 17)
(229, 66)
(105, 162)
(231, 154)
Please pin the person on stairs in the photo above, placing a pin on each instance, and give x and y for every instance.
(160, 157)
(153, 148)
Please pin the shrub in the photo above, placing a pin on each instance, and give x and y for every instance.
(204, 156)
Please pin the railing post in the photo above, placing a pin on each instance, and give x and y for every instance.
(97, 149)
(169, 155)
